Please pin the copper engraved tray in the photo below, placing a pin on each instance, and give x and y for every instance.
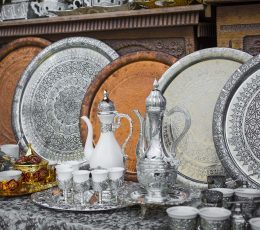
(47, 101)
(236, 123)
(194, 83)
(14, 58)
(128, 80)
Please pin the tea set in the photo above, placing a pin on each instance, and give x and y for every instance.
(157, 169)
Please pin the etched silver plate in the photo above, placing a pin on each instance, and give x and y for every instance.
(177, 196)
(47, 200)
(194, 83)
(48, 97)
(236, 123)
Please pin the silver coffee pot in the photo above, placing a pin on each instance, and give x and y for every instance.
(157, 164)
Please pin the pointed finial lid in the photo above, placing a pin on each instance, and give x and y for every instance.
(155, 101)
(106, 105)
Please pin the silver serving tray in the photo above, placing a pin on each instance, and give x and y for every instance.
(194, 83)
(47, 200)
(236, 122)
(177, 196)
(47, 101)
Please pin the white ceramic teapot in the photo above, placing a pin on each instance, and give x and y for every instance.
(107, 153)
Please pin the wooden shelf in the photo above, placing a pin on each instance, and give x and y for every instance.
(229, 1)
(121, 20)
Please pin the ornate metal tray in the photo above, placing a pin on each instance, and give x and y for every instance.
(28, 189)
(236, 123)
(125, 79)
(46, 105)
(177, 196)
(14, 58)
(194, 83)
(47, 200)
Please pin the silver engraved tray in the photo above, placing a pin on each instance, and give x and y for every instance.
(176, 196)
(236, 123)
(48, 200)
(48, 97)
(194, 83)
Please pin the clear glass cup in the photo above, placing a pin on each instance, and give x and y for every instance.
(64, 178)
(100, 182)
(81, 183)
(116, 180)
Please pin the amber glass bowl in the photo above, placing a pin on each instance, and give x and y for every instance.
(10, 181)
(33, 173)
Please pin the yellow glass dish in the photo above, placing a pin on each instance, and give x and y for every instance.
(33, 173)
(10, 186)
(26, 189)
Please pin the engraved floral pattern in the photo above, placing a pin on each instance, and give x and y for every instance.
(48, 97)
(236, 112)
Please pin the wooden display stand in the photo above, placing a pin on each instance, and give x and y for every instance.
(170, 30)
(239, 27)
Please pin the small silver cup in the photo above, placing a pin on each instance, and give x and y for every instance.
(81, 183)
(64, 178)
(182, 218)
(214, 218)
(116, 180)
(100, 182)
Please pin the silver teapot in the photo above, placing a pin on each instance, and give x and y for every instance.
(157, 165)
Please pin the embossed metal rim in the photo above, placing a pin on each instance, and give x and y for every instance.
(192, 59)
(73, 42)
(37, 199)
(220, 116)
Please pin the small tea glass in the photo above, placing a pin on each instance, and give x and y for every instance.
(100, 182)
(75, 165)
(64, 178)
(81, 183)
(116, 179)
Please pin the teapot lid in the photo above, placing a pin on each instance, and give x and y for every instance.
(155, 101)
(106, 105)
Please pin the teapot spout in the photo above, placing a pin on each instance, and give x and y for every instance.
(140, 148)
(88, 148)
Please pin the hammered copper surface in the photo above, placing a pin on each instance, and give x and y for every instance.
(14, 58)
(128, 80)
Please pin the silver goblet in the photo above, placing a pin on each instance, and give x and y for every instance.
(81, 183)
(116, 180)
(64, 179)
(100, 182)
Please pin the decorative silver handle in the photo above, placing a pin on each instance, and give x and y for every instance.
(117, 123)
(187, 125)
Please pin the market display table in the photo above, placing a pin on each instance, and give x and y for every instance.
(20, 213)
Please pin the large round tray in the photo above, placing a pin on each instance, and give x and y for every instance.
(194, 83)
(46, 105)
(128, 80)
(236, 123)
(14, 58)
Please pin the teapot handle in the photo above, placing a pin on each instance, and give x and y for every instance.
(116, 125)
(187, 125)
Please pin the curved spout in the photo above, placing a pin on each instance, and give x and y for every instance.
(88, 148)
(140, 148)
(141, 120)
